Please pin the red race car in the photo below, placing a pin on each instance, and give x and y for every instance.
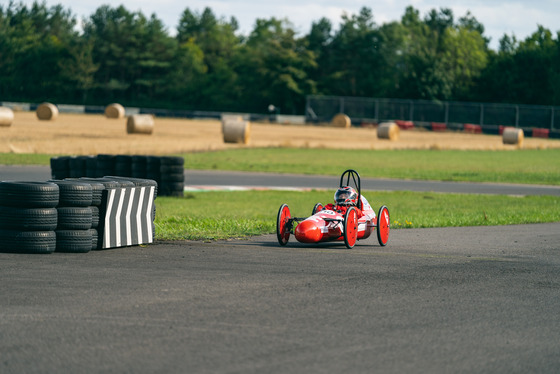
(350, 218)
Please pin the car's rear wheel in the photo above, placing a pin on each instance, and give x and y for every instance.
(383, 225)
(351, 227)
(317, 208)
(282, 228)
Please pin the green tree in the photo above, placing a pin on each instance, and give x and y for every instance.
(272, 67)
(32, 42)
(134, 54)
(217, 84)
(353, 67)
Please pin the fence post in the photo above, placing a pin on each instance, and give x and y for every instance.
(552, 118)
(446, 112)
(517, 116)
(341, 107)
(481, 114)
(377, 110)
(411, 111)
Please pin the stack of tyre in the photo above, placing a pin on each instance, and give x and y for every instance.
(172, 178)
(28, 216)
(167, 171)
(105, 165)
(75, 217)
(73, 167)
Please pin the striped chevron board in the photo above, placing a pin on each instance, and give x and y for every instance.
(128, 217)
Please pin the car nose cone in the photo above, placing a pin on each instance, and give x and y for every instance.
(308, 232)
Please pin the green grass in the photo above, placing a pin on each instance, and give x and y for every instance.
(222, 215)
(521, 166)
(24, 159)
(516, 166)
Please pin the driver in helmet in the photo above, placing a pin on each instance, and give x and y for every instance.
(344, 198)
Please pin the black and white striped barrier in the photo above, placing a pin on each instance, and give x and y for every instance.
(128, 217)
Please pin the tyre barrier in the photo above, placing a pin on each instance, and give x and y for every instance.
(28, 217)
(437, 126)
(166, 171)
(76, 215)
(472, 129)
(540, 133)
(405, 125)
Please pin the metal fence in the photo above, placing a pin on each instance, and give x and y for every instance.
(368, 110)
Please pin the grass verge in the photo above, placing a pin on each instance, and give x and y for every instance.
(519, 166)
(222, 215)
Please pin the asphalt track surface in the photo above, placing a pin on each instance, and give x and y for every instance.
(202, 179)
(445, 300)
(449, 300)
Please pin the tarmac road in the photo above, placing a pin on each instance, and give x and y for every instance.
(223, 179)
(451, 300)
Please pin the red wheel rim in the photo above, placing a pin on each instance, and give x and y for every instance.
(351, 228)
(383, 225)
(282, 231)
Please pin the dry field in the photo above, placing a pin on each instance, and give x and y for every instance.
(83, 134)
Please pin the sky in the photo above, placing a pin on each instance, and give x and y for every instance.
(520, 18)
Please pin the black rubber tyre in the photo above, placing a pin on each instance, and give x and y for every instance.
(28, 219)
(77, 167)
(153, 164)
(105, 165)
(171, 169)
(138, 182)
(95, 217)
(94, 238)
(60, 163)
(29, 194)
(123, 165)
(60, 167)
(171, 189)
(74, 193)
(96, 193)
(73, 241)
(107, 183)
(14, 241)
(74, 218)
(60, 174)
(171, 160)
(139, 166)
(96, 188)
(172, 178)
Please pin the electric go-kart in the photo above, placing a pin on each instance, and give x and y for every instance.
(350, 218)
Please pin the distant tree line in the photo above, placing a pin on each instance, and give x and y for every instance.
(122, 56)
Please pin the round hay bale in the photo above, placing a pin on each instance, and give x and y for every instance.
(236, 131)
(114, 111)
(47, 112)
(388, 130)
(513, 136)
(229, 118)
(341, 120)
(140, 124)
(6, 116)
